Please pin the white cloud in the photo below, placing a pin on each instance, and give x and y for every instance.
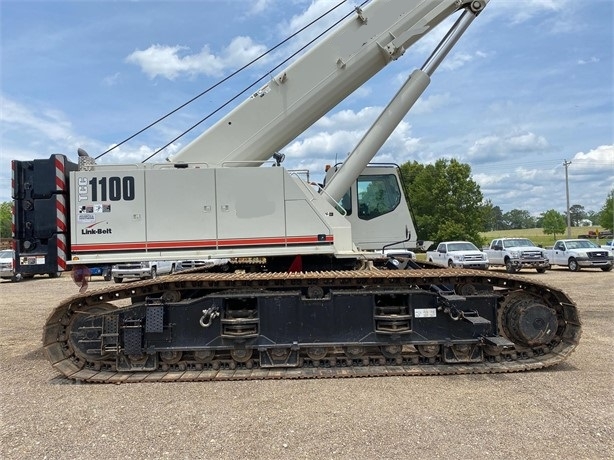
(324, 145)
(173, 61)
(603, 153)
(528, 9)
(362, 93)
(127, 154)
(51, 124)
(333, 137)
(591, 60)
(338, 134)
(315, 10)
(348, 119)
(526, 175)
(456, 61)
(30, 133)
(111, 80)
(491, 147)
(259, 6)
(490, 180)
(431, 103)
(543, 187)
(598, 159)
(401, 146)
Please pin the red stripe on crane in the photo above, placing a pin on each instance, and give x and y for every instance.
(205, 244)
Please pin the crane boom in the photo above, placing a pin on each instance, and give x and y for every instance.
(316, 82)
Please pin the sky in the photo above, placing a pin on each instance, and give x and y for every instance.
(529, 86)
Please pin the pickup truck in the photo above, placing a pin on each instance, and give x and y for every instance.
(142, 270)
(580, 253)
(458, 254)
(7, 266)
(517, 253)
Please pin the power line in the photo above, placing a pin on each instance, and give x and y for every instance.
(496, 166)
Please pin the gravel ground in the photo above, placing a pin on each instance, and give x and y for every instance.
(561, 412)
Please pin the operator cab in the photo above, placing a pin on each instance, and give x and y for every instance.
(377, 209)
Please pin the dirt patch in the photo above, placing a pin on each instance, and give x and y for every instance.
(566, 411)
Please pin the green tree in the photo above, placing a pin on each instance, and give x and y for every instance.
(606, 215)
(446, 202)
(592, 215)
(492, 217)
(553, 222)
(518, 218)
(576, 214)
(6, 218)
(539, 221)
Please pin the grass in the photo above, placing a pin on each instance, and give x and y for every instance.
(536, 235)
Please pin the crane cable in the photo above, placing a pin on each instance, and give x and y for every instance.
(236, 72)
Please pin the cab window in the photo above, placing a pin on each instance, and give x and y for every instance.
(377, 195)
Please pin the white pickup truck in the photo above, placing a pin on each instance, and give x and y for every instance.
(142, 270)
(517, 253)
(458, 254)
(580, 253)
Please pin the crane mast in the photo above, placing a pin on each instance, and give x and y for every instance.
(315, 83)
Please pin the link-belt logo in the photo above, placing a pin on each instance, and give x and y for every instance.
(90, 230)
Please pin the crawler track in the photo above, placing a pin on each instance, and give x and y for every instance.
(510, 288)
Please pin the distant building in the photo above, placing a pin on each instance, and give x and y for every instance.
(586, 223)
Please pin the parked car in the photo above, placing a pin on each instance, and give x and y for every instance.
(515, 254)
(580, 253)
(142, 270)
(7, 266)
(608, 245)
(462, 254)
(28, 266)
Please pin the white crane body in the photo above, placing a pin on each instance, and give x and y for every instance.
(211, 201)
(305, 290)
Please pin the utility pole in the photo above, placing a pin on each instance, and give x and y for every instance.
(566, 164)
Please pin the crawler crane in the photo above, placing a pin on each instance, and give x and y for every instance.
(307, 292)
